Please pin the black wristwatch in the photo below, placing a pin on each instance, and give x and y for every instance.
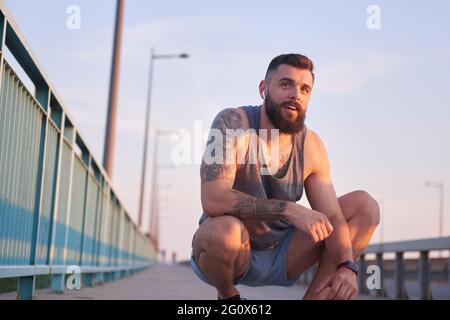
(350, 265)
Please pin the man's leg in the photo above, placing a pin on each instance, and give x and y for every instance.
(362, 214)
(222, 252)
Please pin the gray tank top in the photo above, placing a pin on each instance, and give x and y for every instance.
(287, 185)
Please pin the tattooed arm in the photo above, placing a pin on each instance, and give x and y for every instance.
(218, 171)
(248, 207)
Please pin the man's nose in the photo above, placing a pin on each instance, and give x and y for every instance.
(294, 94)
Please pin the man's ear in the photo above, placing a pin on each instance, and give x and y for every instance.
(262, 89)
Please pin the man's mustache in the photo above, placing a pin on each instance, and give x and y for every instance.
(290, 103)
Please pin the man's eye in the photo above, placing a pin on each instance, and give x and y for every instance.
(285, 85)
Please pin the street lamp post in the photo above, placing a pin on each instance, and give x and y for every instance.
(110, 134)
(154, 218)
(440, 186)
(153, 56)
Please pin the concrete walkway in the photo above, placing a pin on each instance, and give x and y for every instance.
(165, 283)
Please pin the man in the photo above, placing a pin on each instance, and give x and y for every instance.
(252, 231)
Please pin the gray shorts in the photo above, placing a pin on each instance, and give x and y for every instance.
(267, 267)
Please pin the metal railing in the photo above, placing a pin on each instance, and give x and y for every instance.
(423, 247)
(57, 205)
(422, 273)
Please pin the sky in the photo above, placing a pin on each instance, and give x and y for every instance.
(381, 100)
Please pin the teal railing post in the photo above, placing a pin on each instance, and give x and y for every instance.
(70, 134)
(399, 276)
(98, 199)
(379, 261)
(2, 48)
(26, 284)
(424, 276)
(117, 252)
(57, 279)
(362, 274)
(448, 270)
(99, 237)
(86, 278)
(2, 45)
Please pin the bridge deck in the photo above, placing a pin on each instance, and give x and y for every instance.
(166, 283)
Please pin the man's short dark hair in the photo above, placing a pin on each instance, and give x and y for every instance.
(292, 59)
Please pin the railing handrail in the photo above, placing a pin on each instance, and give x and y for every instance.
(418, 245)
(42, 74)
(59, 209)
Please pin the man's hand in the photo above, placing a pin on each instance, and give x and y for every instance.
(342, 285)
(313, 223)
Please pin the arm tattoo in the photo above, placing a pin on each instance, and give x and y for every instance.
(248, 207)
(210, 172)
(226, 119)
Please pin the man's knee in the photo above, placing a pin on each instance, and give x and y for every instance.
(222, 236)
(369, 209)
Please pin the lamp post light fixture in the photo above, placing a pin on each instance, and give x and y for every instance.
(153, 56)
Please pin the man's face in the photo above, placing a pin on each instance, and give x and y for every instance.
(287, 96)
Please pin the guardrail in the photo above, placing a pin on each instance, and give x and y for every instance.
(57, 205)
(421, 246)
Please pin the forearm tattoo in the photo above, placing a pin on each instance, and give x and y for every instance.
(248, 207)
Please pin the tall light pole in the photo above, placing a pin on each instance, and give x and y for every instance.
(153, 206)
(110, 135)
(153, 56)
(440, 186)
(154, 219)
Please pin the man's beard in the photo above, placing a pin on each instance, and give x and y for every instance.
(285, 125)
